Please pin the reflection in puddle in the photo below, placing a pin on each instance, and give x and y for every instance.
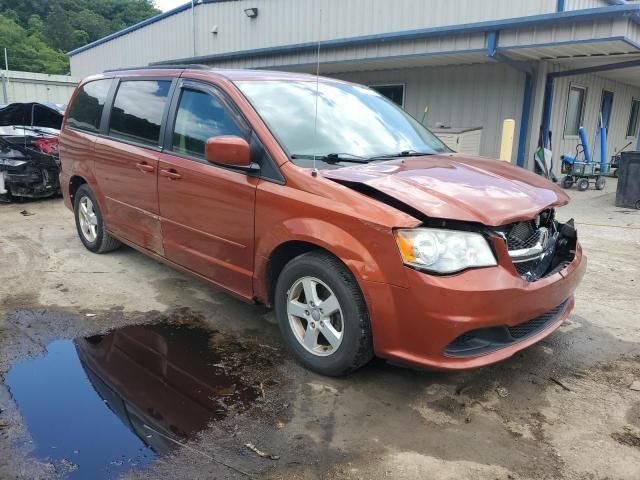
(99, 406)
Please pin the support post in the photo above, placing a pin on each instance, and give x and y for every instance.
(524, 122)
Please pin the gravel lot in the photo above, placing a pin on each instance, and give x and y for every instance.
(561, 409)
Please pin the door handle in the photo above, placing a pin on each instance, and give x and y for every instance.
(145, 167)
(171, 174)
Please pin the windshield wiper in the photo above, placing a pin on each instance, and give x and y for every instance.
(333, 157)
(404, 153)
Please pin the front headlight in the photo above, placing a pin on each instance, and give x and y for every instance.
(12, 162)
(443, 251)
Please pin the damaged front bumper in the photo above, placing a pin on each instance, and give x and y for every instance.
(480, 316)
(28, 179)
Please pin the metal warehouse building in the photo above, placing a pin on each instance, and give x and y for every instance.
(555, 64)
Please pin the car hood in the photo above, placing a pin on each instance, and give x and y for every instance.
(458, 187)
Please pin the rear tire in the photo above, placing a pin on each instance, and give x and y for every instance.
(341, 342)
(600, 183)
(583, 184)
(90, 223)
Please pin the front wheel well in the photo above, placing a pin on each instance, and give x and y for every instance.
(74, 184)
(282, 255)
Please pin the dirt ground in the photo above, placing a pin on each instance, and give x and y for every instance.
(562, 409)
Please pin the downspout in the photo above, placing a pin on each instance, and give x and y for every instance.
(492, 52)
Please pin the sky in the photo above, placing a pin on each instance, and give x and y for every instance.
(165, 5)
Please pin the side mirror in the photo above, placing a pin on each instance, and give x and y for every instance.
(230, 151)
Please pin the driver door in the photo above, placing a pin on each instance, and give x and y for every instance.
(206, 211)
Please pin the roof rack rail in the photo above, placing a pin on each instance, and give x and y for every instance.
(194, 66)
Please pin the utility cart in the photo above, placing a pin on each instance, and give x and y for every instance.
(580, 169)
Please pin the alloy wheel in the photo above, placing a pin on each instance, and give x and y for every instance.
(88, 219)
(315, 316)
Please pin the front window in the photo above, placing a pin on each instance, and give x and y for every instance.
(351, 122)
(200, 117)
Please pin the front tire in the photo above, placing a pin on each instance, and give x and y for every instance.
(90, 223)
(322, 314)
(583, 184)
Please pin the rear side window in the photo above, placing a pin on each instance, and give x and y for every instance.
(137, 110)
(86, 110)
(200, 116)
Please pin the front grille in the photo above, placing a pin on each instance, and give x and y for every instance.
(526, 235)
(485, 340)
(522, 235)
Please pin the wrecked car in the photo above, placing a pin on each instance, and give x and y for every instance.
(328, 202)
(29, 161)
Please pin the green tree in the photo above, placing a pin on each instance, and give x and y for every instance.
(35, 26)
(28, 52)
(40, 31)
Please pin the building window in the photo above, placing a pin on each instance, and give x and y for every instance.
(395, 93)
(632, 128)
(137, 111)
(575, 110)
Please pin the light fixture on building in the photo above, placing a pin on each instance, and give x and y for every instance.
(214, 30)
(251, 12)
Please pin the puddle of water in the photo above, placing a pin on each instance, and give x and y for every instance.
(99, 406)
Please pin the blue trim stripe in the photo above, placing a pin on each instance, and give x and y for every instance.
(480, 27)
(598, 68)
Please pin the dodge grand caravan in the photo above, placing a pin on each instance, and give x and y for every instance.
(324, 200)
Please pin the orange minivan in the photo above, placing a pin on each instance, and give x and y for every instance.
(326, 201)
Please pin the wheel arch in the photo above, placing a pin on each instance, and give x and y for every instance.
(74, 184)
(303, 235)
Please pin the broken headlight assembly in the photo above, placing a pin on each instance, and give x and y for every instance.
(443, 251)
(11, 162)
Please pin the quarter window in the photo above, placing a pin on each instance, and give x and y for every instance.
(575, 109)
(86, 110)
(634, 118)
(137, 111)
(200, 116)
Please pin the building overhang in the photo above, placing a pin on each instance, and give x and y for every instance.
(596, 32)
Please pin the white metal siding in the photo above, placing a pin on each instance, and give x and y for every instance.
(623, 95)
(460, 96)
(38, 87)
(285, 22)
(581, 4)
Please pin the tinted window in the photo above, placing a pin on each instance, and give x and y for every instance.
(137, 110)
(86, 110)
(200, 116)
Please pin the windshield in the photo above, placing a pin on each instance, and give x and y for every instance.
(353, 122)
